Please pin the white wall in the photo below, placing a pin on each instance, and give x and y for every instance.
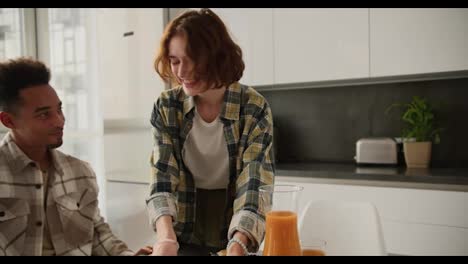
(129, 88)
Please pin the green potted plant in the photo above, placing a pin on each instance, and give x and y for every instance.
(420, 131)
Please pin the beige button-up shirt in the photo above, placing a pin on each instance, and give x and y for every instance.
(75, 224)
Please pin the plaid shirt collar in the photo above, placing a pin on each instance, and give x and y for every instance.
(19, 160)
(231, 106)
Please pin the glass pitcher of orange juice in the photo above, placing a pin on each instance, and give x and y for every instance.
(279, 203)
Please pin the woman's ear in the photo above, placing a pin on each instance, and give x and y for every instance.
(7, 120)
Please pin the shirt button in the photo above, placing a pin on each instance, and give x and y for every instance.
(38, 223)
(2, 214)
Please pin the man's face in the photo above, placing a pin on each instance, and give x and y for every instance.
(38, 120)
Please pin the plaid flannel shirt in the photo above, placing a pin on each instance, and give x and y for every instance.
(75, 224)
(248, 130)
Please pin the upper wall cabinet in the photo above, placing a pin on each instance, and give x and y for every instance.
(414, 41)
(252, 30)
(128, 40)
(320, 44)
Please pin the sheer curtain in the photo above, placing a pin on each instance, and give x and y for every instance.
(16, 37)
(67, 43)
(10, 38)
(11, 33)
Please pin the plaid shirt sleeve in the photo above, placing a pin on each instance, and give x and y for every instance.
(164, 165)
(258, 170)
(105, 243)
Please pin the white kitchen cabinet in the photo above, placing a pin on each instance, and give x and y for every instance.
(128, 39)
(320, 44)
(288, 45)
(252, 30)
(407, 41)
(415, 221)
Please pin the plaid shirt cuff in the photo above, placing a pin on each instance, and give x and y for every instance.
(251, 225)
(161, 204)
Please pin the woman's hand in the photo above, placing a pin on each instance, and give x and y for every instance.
(235, 249)
(166, 241)
(165, 248)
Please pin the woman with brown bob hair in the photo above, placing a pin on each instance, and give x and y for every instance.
(213, 144)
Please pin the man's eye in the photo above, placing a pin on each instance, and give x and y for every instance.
(43, 115)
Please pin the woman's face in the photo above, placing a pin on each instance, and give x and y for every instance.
(183, 67)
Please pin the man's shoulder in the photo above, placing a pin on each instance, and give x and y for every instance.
(4, 147)
(4, 166)
(74, 164)
(3, 153)
(5, 161)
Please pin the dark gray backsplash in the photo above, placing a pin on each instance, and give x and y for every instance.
(323, 124)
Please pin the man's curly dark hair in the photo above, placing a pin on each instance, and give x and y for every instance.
(16, 75)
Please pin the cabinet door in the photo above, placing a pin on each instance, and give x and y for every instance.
(252, 30)
(128, 41)
(320, 44)
(417, 40)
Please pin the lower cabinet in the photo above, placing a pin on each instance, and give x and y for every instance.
(414, 221)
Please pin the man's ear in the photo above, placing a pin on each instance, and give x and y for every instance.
(7, 119)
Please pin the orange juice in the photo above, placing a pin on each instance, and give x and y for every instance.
(313, 252)
(281, 238)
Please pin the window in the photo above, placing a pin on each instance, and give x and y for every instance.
(16, 36)
(67, 43)
(11, 33)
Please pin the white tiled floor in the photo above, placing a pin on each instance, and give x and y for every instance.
(126, 213)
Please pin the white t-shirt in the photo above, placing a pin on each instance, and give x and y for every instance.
(205, 154)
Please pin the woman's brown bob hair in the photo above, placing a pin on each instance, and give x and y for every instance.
(217, 59)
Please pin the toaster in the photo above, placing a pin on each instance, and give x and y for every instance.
(376, 151)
